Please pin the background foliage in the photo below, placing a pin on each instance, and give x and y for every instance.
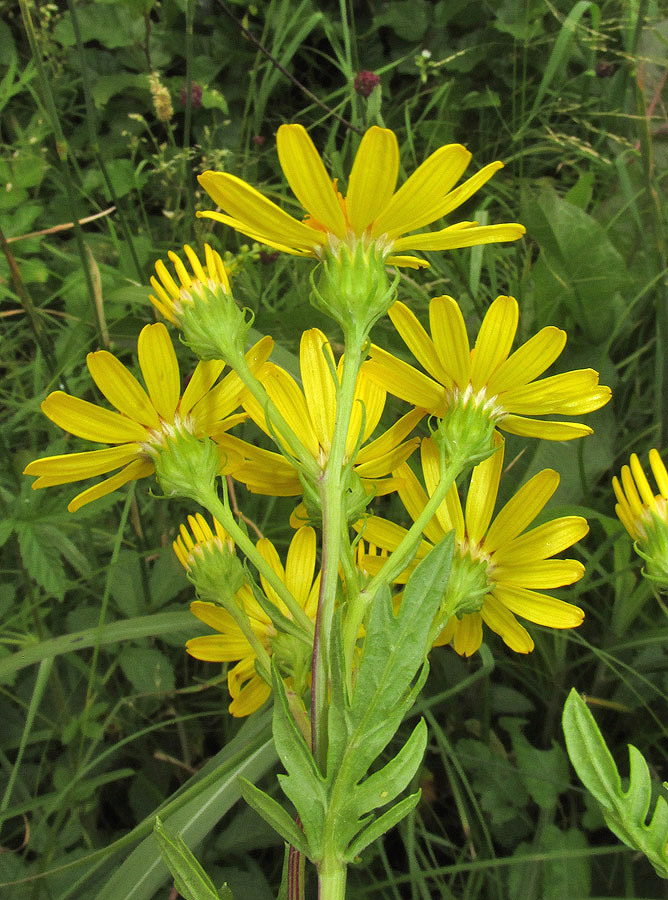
(104, 717)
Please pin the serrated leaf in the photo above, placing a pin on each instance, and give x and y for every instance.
(625, 812)
(273, 813)
(382, 824)
(303, 785)
(394, 651)
(190, 879)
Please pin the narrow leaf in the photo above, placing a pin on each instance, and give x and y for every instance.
(190, 879)
(382, 825)
(273, 813)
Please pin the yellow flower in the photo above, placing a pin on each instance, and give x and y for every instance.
(171, 296)
(144, 420)
(247, 689)
(372, 212)
(638, 508)
(487, 375)
(644, 514)
(516, 563)
(311, 413)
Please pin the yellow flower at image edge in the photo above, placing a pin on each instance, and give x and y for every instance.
(515, 562)
(247, 689)
(644, 514)
(372, 211)
(144, 418)
(488, 375)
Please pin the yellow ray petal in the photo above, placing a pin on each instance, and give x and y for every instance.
(405, 382)
(250, 698)
(373, 177)
(203, 378)
(418, 200)
(482, 493)
(466, 633)
(457, 236)
(89, 421)
(539, 608)
(259, 217)
(379, 466)
(308, 177)
(448, 331)
(415, 499)
(381, 532)
(659, 471)
(318, 383)
(291, 404)
(528, 361)
(160, 369)
(542, 542)
(300, 565)
(137, 469)
(644, 489)
(503, 622)
(408, 262)
(368, 405)
(449, 513)
(461, 194)
(77, 466)
(521, 509)
(548, 431)
(218, 647)
(270, 554)
(568, 393)
(121, 388)
(390, 439)
(418, 342)
(543, 574)
(261, 237)
(494, 341)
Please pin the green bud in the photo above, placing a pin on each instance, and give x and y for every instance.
(187, 466)
(216, 572)
(654, 550)
(467, 587)
(353, 287)
(466, 432)
(214, 327)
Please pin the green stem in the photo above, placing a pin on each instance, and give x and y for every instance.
(224, 515)
(330, 486)
(399, 558)
(331, 880)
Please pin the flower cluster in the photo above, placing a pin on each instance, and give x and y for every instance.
(329, 443)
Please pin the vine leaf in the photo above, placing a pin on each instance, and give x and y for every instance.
(625, 811)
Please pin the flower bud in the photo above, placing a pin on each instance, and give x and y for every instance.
(210, 561)
(645, 515)
(365, 82)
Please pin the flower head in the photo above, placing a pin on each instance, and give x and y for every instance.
(247, 689)
(172, 296)
(311, 413)
(489, 375)
(145, 420)
(515, 563)
(372, 212)
(644, 514)
(214, 327)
